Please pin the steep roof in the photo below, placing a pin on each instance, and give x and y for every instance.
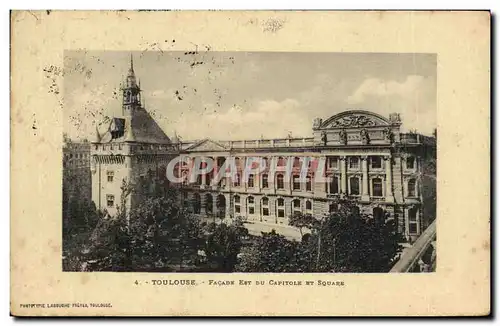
(140, 127)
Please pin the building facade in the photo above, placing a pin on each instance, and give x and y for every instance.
(76, 173)
(132, 149)
(360, 155)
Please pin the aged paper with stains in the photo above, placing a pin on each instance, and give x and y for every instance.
(51, 74)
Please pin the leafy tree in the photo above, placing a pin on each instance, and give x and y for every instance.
(301, 221)
(223, 245)
(163, 234)
(346, 241)
(272, 253)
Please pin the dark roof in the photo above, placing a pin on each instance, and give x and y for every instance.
(141, 128)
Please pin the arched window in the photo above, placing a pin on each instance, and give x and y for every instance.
(296, 206)
(308, 183)
(412, 188)
(280, 183)
(250, 205)
(308, 207)
(265, 181)
(237, 204)
(280, 207)
(250, 181)
(296, 162)
(265, 206)
(265, 163)
(221, 206)
(237, 180)
(209, 204)
(196, 203)
(377, 187)
(296, 182)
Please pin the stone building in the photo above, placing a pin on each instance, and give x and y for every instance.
(132, 148)
(76, 172)
(363, 155)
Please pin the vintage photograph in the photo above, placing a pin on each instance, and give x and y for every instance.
(204, 161)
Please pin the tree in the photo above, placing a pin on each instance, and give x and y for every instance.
(162, 234)
(346, 241)
(223, 245)
(272, 253)
(301, 221)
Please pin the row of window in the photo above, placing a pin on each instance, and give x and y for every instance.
(77, 155)
(333, 162)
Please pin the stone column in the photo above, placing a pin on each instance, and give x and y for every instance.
(203, 176)
(365, 195)
(343, 178)
(388, 179)
(228, 205)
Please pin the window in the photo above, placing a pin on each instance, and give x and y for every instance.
(110, 175)
(237, 205)
(196, 204)
(110, 200)
(308, 183)
(250, 181)
(410, 162)
(265, 163)
(354, 184)
(308, 206)
(265, 206)
(265, 182)
(353, 163)
(332, 208)
(251, 205)
(377, 187)
(333, 162)
(412, 185)
(296, 182)
(413, 221)
(334, 185)
(296, 162)
(280, 207)
(296, 205)
(280, 183)
(376, 162)
(281, 161)
(237, 180)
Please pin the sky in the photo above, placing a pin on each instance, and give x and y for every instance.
(248, 95)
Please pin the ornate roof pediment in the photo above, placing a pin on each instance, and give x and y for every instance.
(206, 145)
(353, 119)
